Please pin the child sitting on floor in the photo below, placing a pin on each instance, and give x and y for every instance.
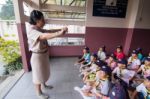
(93, 59)
(91, 74)
(93, 67)
(143, 90)
(146, 57)
(119, 53)
(102, 84)
(122, 73)
(85, 58)
(111, 62)
(145, 68)
(86, 90)
(133, 61)
(96, 66)
(100, 87)
(101, 53)
(140, 54)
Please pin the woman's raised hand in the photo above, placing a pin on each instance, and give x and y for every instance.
(46, 36)
(64, 30)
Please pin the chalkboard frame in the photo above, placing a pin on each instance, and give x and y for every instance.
(118, 10)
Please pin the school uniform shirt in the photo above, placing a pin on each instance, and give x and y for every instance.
(140, 56)
(141, 88)
(101, 55)
(124, 74)
(87, 57)
(93, 67)
(145, 70)
(120, 55)
(103, 87)
(134, 63)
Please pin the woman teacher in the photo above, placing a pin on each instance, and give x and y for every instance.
(38, 45)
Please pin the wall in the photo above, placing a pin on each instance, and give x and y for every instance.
(118, 31)
(141, 32)
(141, 38)
(106, 30)
(65, 50)
(110, 37)
(92, 21)
(143, 21)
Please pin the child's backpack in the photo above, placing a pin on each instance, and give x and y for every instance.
(117, 91)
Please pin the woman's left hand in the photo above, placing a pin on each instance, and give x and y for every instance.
(65, 29)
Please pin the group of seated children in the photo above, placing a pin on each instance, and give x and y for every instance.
(115, 76)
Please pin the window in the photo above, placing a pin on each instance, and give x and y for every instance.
(72, 29)
(81, 3)
(60, 13)
(66, 41)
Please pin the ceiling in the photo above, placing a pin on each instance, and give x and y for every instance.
(81, 3)
(64, 13)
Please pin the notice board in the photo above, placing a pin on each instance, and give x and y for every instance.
(110, 8)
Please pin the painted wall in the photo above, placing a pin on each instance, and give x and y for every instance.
(119, 31)
(65, 50)
(141, 38)
(110, 37)
(141, 32)
(143, 21)
(92, 21)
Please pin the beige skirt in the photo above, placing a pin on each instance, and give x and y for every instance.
(40, 67)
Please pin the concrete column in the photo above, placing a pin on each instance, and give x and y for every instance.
(19, 15)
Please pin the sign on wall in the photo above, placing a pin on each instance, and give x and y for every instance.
(110, 8)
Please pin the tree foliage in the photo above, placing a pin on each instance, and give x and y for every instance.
(10, 52)
(7, 11)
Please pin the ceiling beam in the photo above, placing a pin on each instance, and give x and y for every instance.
(44, 2)
(52, 12)
(65, 22)
(71, 2)
(59, 21)
(48, 7)
(32, 3)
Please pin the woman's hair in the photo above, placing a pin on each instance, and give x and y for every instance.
(35, 15)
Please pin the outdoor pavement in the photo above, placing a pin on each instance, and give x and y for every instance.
(64, 77)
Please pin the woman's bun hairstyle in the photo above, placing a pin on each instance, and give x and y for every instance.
(35, 15)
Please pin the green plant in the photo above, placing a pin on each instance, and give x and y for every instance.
(9, 50)
(13, 66)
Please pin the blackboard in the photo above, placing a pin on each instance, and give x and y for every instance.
(110, 8)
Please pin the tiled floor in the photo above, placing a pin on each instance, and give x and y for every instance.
(64, 76)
